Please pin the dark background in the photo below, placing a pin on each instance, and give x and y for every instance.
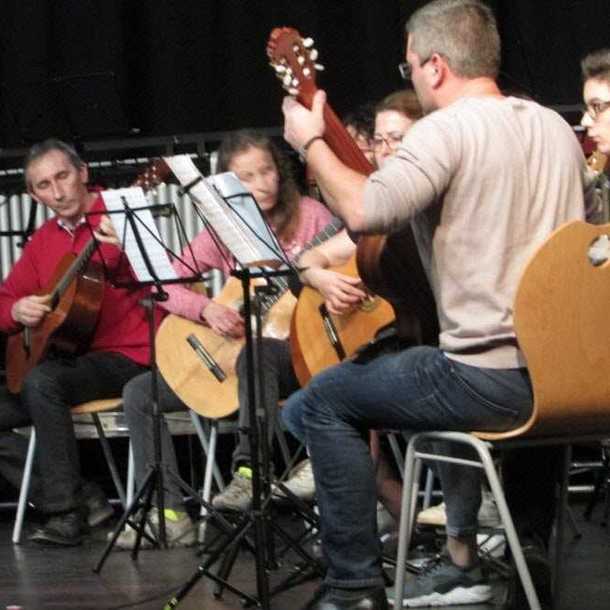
(103, 68)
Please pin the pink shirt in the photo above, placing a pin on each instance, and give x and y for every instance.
(313, 217)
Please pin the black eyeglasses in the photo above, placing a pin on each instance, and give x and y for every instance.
(594, 109)
(405, 68)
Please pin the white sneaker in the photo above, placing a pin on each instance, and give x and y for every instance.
(488, 513)
(300, 482)
(178, 533)
(493, 545)
(385, 522)
(237, 495)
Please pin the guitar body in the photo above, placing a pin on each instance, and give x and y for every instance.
(310, 343)
(186, 373)
(382, 259)
(69, 326)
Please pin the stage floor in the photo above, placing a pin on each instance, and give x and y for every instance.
(37, 578)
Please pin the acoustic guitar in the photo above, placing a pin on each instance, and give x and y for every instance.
(76, 291)
(199, 365)
(295, 62)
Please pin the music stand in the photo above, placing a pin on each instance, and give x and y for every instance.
(144, 240)
(224, 192)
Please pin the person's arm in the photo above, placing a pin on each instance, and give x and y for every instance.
(341, 292)
(182, 301)
(342, 187)
(19, 304)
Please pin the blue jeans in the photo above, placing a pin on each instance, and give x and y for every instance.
(415, 389)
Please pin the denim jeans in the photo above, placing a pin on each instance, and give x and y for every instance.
(415, 389)
(138, 408)
(279, 381)
(49, 391)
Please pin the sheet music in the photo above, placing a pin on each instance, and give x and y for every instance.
(237, 231)
(147, 229)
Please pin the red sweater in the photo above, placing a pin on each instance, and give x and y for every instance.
(122, 324)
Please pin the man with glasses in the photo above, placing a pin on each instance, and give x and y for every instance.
(481, 200)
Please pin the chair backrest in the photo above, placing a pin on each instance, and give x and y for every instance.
(562, 321)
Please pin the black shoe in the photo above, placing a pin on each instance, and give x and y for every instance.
(95, 503)
(540, 571)
(349, 599)
(64, 529)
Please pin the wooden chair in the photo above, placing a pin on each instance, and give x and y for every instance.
(92, 408)
(561, 320)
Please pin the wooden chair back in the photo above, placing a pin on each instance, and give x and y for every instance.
(562, 322)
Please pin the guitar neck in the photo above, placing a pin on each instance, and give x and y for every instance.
(336, 136)
(78, 266)
(343, 145)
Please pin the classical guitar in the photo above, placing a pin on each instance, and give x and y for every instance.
(76, 291)
(199, 365)
(295, 62)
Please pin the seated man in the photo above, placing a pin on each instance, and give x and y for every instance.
(479, 209)
(118, 350)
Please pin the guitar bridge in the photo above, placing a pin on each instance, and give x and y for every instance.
(206, 358)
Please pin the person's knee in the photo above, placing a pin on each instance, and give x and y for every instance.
(39, 386)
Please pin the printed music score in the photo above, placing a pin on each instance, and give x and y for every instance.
(238, 224)
(135, 199)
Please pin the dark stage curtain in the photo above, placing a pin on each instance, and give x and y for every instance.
(96, 68)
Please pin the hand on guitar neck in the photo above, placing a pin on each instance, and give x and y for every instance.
(30, 311)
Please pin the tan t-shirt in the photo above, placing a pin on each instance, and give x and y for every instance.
(484, 181)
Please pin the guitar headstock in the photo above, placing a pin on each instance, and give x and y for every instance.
(294, 60)
(153, 175)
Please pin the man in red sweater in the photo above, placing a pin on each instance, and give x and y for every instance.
(119, 349)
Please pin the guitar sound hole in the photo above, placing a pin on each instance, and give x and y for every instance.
(599, 250)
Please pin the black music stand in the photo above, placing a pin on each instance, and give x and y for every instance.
(154, 478)
(257, 517)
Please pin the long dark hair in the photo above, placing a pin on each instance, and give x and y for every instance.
(284, 216)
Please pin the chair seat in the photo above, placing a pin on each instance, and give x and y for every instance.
(96, 406)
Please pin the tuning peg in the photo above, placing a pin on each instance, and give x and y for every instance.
(313, 55)
(306, 72)
(318, 67)
(300, 60)
(287, 80)
(293, 91)
(295, 82)
(307, 42)
(279, 68)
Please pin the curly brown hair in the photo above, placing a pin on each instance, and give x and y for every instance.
(284, 216)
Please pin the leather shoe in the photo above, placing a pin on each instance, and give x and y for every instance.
(96, 505)
(64, 529)
(349, 599)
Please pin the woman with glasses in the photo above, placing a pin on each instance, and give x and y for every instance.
(596, 94)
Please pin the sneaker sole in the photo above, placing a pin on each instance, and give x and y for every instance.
(459, 596)
(455, 597)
